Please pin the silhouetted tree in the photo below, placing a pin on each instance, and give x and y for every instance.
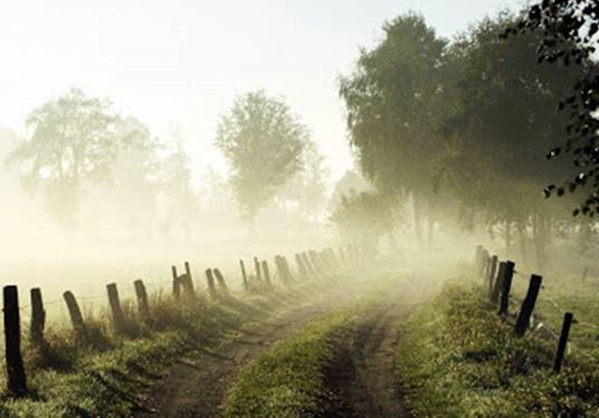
(362, 218)
(263, 143)
(73, 140)
(395, 101)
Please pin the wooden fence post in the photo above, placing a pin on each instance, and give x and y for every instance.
(506, 288)
(486, 263)
(142, 299)
(528, 305)
(244, 276)
(187, 281)
(211, 287)
(15, 372)
(176, 283)
(38, 317)
(221, 282)
(118, 319)
(492, 273)
(257, 267)
(266, 273)
(563, 341)
(75, 315)
(497, 283)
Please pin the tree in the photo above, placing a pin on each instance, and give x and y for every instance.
(395, 101)
(263, 143)
(363, 217)
(569, 34)
(503, 121)
(73, 140)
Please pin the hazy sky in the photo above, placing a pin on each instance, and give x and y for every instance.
(178, 64)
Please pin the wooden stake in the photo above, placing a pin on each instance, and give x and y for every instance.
(38, 317)
(15, 372)
(118, 319)
(563, 341)
(528, 305)
(75, 314)
(142, 299)
(244, 276)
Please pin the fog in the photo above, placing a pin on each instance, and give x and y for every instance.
(135, 136)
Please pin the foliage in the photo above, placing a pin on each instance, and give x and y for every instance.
(569, 34)
(263, 143)
(76, 140)
(363, 218)
(393, 101)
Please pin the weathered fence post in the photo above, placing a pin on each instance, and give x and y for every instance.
(485, 265)
(211, 287)
(16, 379)
(266, 273)
(244, 276)
(75, 315)
(303, 273)
(563, 341)
(497, 283)
(492, 272)
(142, 299)
(38, 317)
(221, 282)
(187, 281)
(118, 319)
(528, 305)
(257, 267)
(176, 283)
(506, 286)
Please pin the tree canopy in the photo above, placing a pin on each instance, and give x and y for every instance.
(263, 143)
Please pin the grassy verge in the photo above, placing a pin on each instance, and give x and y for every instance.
(290, 379)
(457, 358)
(109, 375)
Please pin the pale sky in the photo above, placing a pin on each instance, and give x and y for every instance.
(180, 63)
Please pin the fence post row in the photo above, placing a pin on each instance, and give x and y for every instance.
(38, 317)
(528, 305)
(16, 379)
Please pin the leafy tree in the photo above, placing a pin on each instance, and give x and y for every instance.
(73, 140)
(395, 102)
(569, 33)
(363, 217)
(263, 143)
(503, 121)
